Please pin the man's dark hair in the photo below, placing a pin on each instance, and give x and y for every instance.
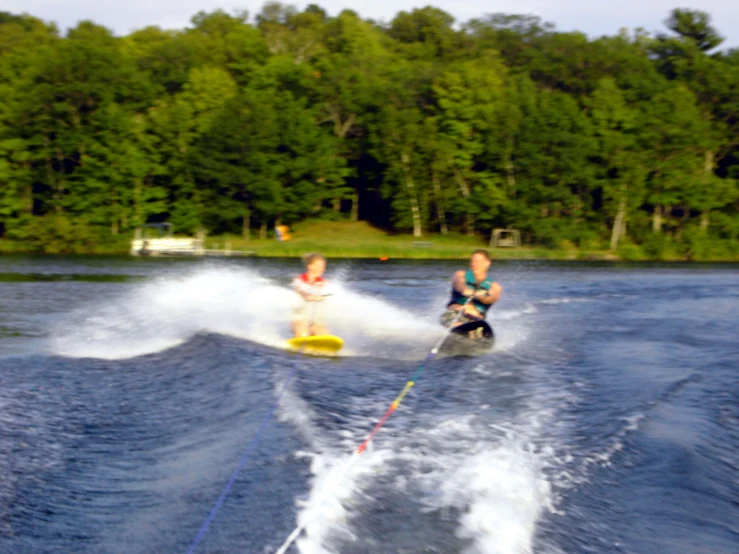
(482, 252)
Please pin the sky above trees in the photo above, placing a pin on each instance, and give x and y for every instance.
(593, 18)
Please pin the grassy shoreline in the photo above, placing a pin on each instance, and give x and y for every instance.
(400, 249)
(343, 239)
(360, 240)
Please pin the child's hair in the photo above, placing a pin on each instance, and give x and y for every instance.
(483, 253)
(312, 257)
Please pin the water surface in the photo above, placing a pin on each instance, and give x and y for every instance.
(606, 419)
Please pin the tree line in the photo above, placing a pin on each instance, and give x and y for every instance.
(238, 124)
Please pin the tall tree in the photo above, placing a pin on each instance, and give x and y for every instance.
(349, 82)
(472, 106)
(402, 132)
(615, 127)
(694, 26)
(715, 83)
(176, 124)
(554, 147)
(677, 135)
(25, 42)
(427, 32)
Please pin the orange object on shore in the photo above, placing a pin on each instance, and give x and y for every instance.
(383, 258)
(282, 232)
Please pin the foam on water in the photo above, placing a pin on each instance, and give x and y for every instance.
(497, 486)
(325, 513)
(563, 300)
(336, 474)
(496, 478)
(160, 314)
(494, 481)
(473, 469)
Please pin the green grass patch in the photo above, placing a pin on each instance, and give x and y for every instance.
(13, 246)
(343, 239)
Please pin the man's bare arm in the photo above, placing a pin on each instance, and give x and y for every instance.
(492, 296)
(459, 284)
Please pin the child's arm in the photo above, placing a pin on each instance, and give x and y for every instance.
(301, 288)
(309, 293)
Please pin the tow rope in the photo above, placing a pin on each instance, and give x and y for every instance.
(393, 406)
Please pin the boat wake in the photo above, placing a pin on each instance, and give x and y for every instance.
(481, 487)
(157, 315)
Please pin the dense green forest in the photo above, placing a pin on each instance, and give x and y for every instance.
(422, 125)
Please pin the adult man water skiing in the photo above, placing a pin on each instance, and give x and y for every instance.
(475, 284)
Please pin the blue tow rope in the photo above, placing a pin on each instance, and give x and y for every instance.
(247, 453)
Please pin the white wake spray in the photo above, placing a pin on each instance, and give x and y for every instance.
(163, 313)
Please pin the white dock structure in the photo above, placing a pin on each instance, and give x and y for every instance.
(177, 246)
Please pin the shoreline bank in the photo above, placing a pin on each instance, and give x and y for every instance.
(360, 240)
(296, 251)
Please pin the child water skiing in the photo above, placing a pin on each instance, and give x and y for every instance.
(311, 287)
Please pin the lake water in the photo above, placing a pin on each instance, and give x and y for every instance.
(606, 418)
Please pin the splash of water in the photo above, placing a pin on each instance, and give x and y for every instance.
(160, 314)
(495, 482)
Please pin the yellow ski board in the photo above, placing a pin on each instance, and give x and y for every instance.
(318, 345)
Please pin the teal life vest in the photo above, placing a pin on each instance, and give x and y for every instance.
(469, 281)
